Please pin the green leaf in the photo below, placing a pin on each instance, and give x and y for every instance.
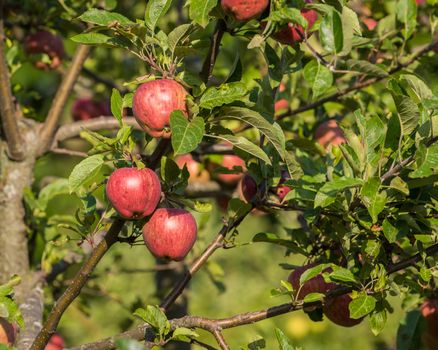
(156, 318)
(327, 193)
(274, 239)
(273, 132)
(58, 187)
(409, 331)
(184, 334)
(85, 170)
(361, 306)
(283, 341)
(155, 9)
(311, 273)
(407, 14)
(287, 15)
(244, 145)
(389, 231)
(366, 67)
(408, 113)
(378, 321)
(186, 135)
(312, 297)
(318, 76)
(225, 94)
(199, 11)
(398, 184)
(373, 200)
(331, 33)
(129, 344)
(426, 161)
(104, 18)
(341, 274)
(117, 106)
(177, 35)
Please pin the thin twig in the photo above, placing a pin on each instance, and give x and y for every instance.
(63, 93)
(69, 152)
(7, 109)
(213, 51)
(221, 340)
(107, 82)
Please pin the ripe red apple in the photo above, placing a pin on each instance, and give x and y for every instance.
(247, 188)
(153, 103)
(56, 342)
(86, 108)
(282, 190)
(229, 161)
(7, 332)
(170, 233)
(197, 173)
(281, 105)
(335, 309)
(244, 10)
(420, 2)
(222, 202)
(370, 23)
(429, 310)
(329, 133)
(294, 33)
(45, 42)
(133, 192)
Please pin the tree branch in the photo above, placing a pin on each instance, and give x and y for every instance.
(221, 340)
(213, 51)
(74, 289)
(7, 109)
(49, 126)
(245, 318)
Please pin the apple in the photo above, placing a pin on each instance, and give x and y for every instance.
(335, 309)
(247, 188)
(229, 161)
(244, 10)
(133, 192)
(429, 310)
(56, 342)
(197, 173)
(370, 23)
(282, 190)
(293, 33)
(45, 42)
(281, 105)
(420, 2)
(170, 233)
(86, 108)
(7, 332)
(329, 133)
(154, 101)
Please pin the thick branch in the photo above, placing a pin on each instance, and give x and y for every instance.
(213, 51)
(74, 289)
(245, 318)
(64, 90)
(7, 110)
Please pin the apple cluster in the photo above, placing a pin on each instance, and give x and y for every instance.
(336, 309)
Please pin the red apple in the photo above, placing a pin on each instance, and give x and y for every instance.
(370, 23)
(7, 332)
(133, 192)
(294, 33)
(420, 2)
(329, 133)
(282, 190)
(86, 108)
(282, 87)
(429, 310)
(281, 105)
(222, 202)
(153, 103)
(44, 42)
(229, 161)
(244, 10)
(197, 173)
(335, 309)
(247, 188)
(170, 233)
(56, 342)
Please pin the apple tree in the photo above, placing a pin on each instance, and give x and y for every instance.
(323, 111)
